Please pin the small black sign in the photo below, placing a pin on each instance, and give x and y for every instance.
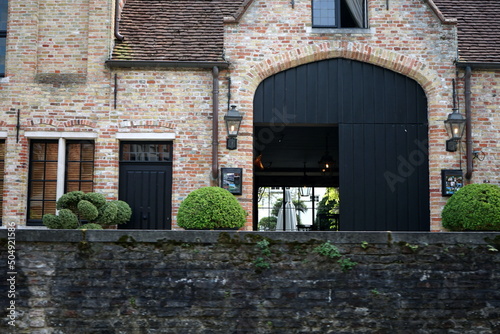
(452, 180)
(232, 180)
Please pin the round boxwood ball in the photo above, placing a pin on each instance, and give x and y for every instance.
(475, 207)
(210, 208)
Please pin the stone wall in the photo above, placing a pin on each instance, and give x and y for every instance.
(250, 282)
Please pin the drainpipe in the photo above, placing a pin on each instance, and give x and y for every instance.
(117, 21)
(468, 123)
(215, 123)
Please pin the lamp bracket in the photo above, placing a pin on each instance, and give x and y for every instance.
(232, 143)
(451, 145)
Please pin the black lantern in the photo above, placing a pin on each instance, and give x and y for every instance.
(233, 121)
(326, 161)
(305, 191)
(455, 125)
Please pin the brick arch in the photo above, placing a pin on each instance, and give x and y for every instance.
(39, 121)
(388, 59)
(147, 124)
(76, 122)
(58, 124)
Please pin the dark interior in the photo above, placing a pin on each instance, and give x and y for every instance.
(291, 155)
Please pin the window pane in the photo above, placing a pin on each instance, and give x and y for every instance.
(87, 152)
(86, 187)
(73, 172)
(73, 153)
(51, 152)
(50, 191)
(324, 13)
(37, 170)
(51, 171)
(49, 207)
(79, 166)
(3, 14)
(36, 190)
(38, 152)
(165, 152)
(2, 171)
(42, 181)
(73, 186)
(146, 152)
(35, 210)
(2, 55)
(87, 171)
(1, 197)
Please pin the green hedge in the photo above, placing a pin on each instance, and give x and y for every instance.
(475, 207)
(210, 208)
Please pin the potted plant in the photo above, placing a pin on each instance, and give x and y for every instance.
(475, 207)
(210, 208)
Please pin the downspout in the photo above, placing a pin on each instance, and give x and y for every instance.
(468, 123)
(117, 21)
(215, 123)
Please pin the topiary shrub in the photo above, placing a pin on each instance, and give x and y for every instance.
(90, 226)
(90, 209)
(70, 200)
(123, 214)
(268, 223)
(475, 207)
(211, 208)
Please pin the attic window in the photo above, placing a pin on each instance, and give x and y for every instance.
(339, 13)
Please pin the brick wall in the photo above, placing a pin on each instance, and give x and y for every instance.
(57, 78)
(485, 95)
(220, 282)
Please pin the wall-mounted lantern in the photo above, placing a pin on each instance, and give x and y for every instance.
(455, 125)
(326, 162)
(233, 120)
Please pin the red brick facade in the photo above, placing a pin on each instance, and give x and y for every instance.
(56, 76)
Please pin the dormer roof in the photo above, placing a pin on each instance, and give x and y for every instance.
(175, 30)
(478, 24)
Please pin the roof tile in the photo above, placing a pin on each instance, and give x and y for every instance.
(478, 28)
(193, 30)
(174, 30)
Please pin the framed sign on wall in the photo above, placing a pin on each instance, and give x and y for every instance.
(451, 180)
(232, 180)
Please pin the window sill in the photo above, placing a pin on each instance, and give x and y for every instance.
(333, 31)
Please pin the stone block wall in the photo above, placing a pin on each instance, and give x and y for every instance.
(246, 282)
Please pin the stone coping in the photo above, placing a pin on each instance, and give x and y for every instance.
(203, 237)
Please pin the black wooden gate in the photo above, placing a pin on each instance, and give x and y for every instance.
(382, 121)
(146, 184)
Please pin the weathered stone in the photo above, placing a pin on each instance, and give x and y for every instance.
(216, 288)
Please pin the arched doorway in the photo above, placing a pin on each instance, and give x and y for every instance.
(370, 120)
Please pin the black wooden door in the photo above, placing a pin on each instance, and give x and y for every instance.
(382, 120)
(147, 189)
(384, 178)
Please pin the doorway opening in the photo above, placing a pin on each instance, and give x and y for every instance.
(298, 209)
(296, 175)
